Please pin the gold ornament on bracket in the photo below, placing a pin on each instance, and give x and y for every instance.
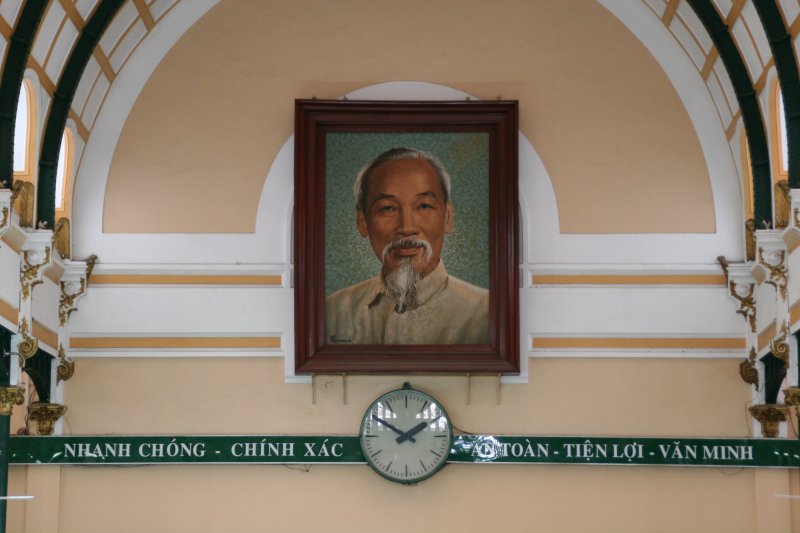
(61, 238)
(66, 367)
(779, 347)
(70, 291)
(747, 304)
(4, 220)
(783, 204)
(769, 416)
(28, 346)
(34, 262)
(791, 396)
(45, 415)
(24, 191)
(748, 370)
(773, 262)
(9, 397)
(750, 238)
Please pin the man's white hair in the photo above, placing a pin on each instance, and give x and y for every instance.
(362, 180)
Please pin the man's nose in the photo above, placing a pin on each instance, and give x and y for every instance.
(408, 223)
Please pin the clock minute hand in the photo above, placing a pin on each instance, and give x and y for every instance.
(388, 425)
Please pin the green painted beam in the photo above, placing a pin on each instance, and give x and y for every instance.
(748, 103)
(780, 42)
(59, 107)
(11, 82)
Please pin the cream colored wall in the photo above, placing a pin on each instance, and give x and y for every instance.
(594, 103)
(613, 396)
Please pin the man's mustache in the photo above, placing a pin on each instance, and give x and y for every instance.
(408, 243)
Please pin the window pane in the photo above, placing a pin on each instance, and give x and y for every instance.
(784, 141)
(61, 171)
(21, 132)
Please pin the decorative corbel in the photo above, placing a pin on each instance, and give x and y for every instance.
(66, 367)
(24, 192)
(45, 415)
(783, 204)
(71, 291)
(74, 282)
(748, 370)
(780, 347)
(28, 346)
(769, 416)
(794, 195)
(5, 210)
(61, 238)
(750, 238)
(744, 294)
(774, 262)
(34, 263)
(742, 288)
(9, 397)
(791, 396)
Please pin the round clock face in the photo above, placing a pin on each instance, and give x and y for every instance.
(406, 436)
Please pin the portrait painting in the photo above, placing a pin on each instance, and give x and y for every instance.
(405, 237)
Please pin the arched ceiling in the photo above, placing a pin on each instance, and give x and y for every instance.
(614, 136)
(220, 104)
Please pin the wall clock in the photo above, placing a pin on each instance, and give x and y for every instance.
(406, 435)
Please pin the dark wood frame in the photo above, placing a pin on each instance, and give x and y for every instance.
(313, 119)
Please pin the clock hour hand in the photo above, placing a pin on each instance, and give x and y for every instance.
(409, 435)
(388, 425)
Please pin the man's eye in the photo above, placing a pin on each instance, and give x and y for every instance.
(426, 206)
(386, 209)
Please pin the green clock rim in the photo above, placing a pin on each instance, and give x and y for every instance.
(394, 479)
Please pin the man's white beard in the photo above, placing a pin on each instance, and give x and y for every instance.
(401, 283)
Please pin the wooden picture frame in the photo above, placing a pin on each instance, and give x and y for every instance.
(333, 140)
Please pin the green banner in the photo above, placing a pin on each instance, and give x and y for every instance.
(230, 449)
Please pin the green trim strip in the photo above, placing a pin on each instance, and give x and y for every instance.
(748, 103)
(59, 107)
(780, 42)
(285, 449)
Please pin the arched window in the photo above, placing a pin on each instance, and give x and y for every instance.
(63, 169)
(780, 153)
(783, 156)
(22, 130)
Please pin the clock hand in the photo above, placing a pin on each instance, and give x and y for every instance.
(388, 425)
(409, 435)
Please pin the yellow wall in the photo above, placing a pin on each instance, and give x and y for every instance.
(656, 397)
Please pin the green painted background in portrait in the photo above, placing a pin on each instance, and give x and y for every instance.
(349, 258)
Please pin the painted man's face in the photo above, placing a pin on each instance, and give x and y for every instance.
(405, 203)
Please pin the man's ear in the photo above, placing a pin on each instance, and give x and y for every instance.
(448, 218)
(361, 223)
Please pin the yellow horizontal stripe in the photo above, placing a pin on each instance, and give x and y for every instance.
(157, 279)
(765, 336)
(629, 343)
(614, 279)
(175, 342)
(45, 335)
